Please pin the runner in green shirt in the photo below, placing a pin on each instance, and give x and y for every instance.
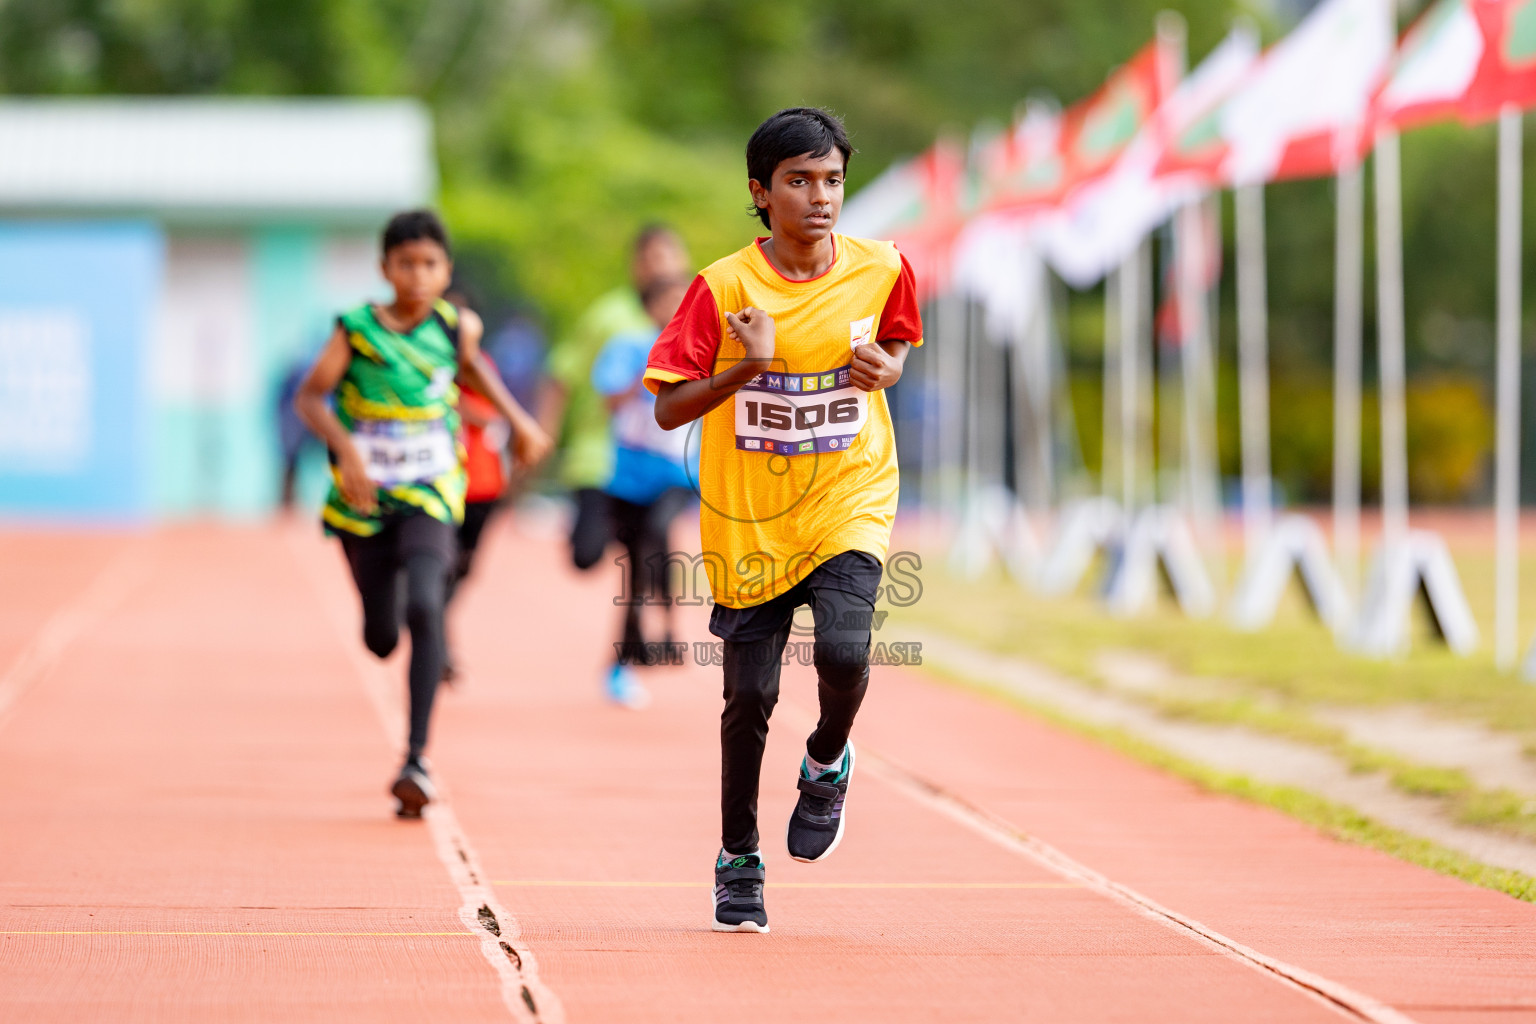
(397, 466)
(571, 406)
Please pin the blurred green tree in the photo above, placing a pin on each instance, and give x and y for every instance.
(562, 125)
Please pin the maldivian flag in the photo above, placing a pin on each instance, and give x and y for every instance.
(1462, 58)
(1433, 69)
(1022, 170)
(1506, 76)
(1304, 107)
(1102, 221)
(915, 204)
(1096, 131)
(1047, 155)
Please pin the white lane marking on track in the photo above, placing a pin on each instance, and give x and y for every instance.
(524, 994)
(1340, 998)
(1345, 1000)
(85, 609)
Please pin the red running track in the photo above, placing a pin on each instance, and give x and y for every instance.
(195, 751)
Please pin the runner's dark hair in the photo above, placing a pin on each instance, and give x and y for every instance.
(792, 132)
(413, 226)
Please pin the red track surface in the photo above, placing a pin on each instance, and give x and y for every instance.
(196, 829)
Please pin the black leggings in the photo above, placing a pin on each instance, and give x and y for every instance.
(592, 528)
(422, 550)
(643, 530)
(477, 514)
(841, 593)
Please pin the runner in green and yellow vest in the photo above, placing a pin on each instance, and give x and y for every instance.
(399, 402)
(396, 462)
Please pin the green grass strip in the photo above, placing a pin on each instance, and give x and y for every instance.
(1330, 818)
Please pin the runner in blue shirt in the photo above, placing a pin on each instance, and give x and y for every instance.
(651, 484)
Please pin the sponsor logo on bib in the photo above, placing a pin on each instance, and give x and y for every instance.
(861, 331)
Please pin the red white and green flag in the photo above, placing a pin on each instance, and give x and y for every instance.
(1433, 69)
(1304, 107)
(1506, 75)
(1103, 221)
(1097, 130)
(1465, 59)
(915, 204)
(1022, 170)
(1047, 155)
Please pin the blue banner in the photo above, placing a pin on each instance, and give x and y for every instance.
(77, 308)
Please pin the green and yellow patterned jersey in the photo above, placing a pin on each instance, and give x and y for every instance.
(399, 402)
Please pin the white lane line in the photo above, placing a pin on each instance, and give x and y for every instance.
(525, 995)
(110, 587)
(1345, 1000)
(1340, 998)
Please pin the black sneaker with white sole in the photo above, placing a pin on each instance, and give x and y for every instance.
(816, 827)
(739, 894)
(413, 788)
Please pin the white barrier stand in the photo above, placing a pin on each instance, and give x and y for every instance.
(995, 526)
(1294, 545)
(1528, 666)
(1158, 537)
(1083, 529)
(1420, 566)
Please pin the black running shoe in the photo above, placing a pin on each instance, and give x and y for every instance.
(739, 894)
(816, 827)
(413, 788)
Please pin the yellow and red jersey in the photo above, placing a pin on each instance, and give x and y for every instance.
(799, 465)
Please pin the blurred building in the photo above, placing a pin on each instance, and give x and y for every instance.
(164, 263)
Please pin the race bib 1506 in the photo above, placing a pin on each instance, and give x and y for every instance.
(404, 452)
(800, 413)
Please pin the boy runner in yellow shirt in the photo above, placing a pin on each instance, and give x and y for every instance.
(783, 349)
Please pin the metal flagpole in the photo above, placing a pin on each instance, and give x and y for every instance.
(1194, 345)
(1173, 33)
(1045, 389)
(1067, 455)
(951, 358)
(1253, 365)
(1032, 387)
(1507, 484)
(992, 393)
(1348, 296)
(1109, 468)
(1144, 345)
(1129, 303)
(932, 432)
(1173, 467)
(1389, 318)
(1204, 376)
(975, 395)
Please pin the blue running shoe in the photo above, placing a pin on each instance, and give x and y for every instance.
(625, 690)
(739, 894)
(816, 827)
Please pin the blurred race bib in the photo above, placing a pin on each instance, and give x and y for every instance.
(405, 452)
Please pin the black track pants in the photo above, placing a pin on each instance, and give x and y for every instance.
(841, 593)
